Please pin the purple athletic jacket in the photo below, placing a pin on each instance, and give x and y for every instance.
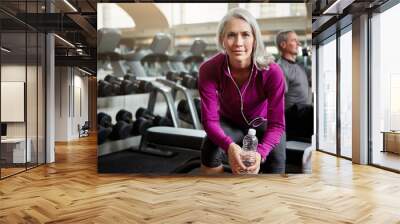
(263, 97)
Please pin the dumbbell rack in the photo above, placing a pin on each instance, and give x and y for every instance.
(177, 87)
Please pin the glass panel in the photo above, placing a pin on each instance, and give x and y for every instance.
(327, 97)
(385, 86)
(41, 99)
(13, 85)
(346, 94)
(31, 97)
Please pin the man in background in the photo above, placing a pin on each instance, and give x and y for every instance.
(298, 107)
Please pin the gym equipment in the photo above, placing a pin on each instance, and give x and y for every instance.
(184, 110)
(121, 87)
(189, 80)
(134, 63)
(142, 86)
(167, 93)
(157, 120)
(188, 61)
(112, 86)
(150, 61)
(174, 76)
(123, 128)
(145, 119)
(107, 43)
(161, 140)
(104, 127)
(141, 125)
(298, 154)
(105, 88)
(124, 115)
(176, 62)
(104, 119)
(196, 57)
(188, 96)
(130, 77)
(298, 157)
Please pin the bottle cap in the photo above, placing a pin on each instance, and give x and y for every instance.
(252, 131)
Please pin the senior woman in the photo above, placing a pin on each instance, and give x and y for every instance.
(238, 91)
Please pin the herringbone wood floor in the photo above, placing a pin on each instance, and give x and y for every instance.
(71, 191)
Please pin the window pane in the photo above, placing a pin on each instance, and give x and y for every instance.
(14, 153)
(346, 94)
(327, 97)
(385, 85)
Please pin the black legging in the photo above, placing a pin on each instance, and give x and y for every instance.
(213, 156)
(299, 122)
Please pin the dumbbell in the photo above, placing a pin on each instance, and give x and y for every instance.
(138, 127)
(115, 86)
(194, 74)
(104, 88)
(173, 76)
(140, 86)
(189, 81)
(120, 86)
(104, 127)
(129, 77)
(123, 128)
(157, 120)
(124, 115)
(141, 125)
(104, 119)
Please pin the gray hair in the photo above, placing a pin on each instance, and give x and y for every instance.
(282, 36)
(258, 48)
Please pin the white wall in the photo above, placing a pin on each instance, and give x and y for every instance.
(70, 83)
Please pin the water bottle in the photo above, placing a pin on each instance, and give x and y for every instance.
(249, 149)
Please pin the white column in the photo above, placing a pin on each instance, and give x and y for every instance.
(50, 98)
(360, 90)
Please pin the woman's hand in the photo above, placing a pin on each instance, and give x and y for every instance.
(234, 159)
(255, 168)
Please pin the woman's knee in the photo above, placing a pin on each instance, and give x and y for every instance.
(211, 170)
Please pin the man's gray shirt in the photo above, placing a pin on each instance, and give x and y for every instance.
(296, 88)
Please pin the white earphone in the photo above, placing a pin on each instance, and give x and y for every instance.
(256, 121)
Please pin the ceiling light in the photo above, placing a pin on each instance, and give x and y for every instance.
(65, 41)
(5, 50)
(337, 7)
(84, 71)
(70, 5)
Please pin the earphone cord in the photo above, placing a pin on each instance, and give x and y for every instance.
(240, 94)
